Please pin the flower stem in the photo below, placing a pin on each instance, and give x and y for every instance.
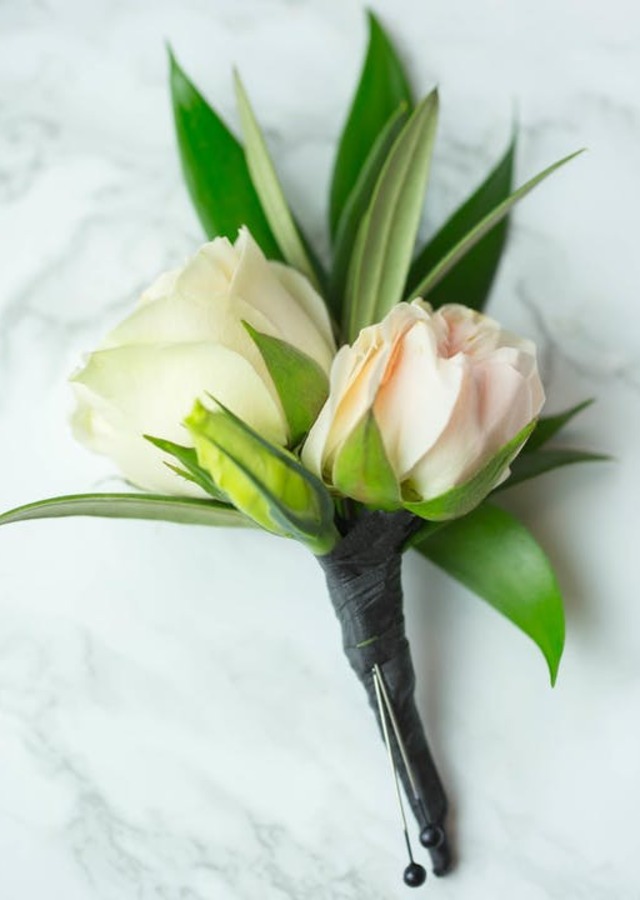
(363, 575)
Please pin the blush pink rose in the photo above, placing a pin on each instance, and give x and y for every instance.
(448, 389)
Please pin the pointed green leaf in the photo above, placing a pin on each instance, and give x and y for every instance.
(183, 473)
(184, 510)
(550, 425)
(530, 465)
(496, 557)
(356, 206)
(387, 233)
(188, 458)
(451, 259)
(362, 470)
(265, 179)
(265, 482)
(301, 383)
(470, 280)
(215, 168)
(462, 499)
(382, 87)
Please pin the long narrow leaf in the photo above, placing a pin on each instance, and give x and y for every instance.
(530, 465)
(382, 87)
(356, 206)
(387, 233)
(470, 281)
(496, 557)
(549, 426)
(269, 190)
(215, 168)
(183, 510)
(451, 259)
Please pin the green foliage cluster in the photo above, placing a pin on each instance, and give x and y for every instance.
(376, 203)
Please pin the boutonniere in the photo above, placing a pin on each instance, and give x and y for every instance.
(363, 405)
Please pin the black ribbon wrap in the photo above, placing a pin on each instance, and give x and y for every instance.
(363, 575)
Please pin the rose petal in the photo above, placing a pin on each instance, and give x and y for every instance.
(127, 392)
(417, 398)
(258, 283)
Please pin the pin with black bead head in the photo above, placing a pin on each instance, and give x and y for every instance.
(432, 836)
(414, 874)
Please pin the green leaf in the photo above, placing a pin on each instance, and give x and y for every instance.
(357, 203)
(183, 473)
(386, 236)
(188, 458)
(549, 426)
(265, 482)
(269, 190)
(462, 499)
(496, 557)
(456, 253)
(301, 383)
(362, 470)
(215, 168)
(184, 510)
(383, 86)
(530, 465)
(469, 281)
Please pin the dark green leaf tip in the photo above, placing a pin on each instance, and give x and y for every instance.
(549, 426)
(382, 85)
(301, 383)
(215, 167)
(494, 555)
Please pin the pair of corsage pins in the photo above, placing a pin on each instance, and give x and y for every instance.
(223, 396)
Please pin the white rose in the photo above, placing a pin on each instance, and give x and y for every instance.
(186, 340)
(447, 389)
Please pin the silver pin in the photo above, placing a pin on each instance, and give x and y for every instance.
(396, 731)
(414, 874)
(431, 836)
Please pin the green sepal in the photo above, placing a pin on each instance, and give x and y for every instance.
(387, 232)
(530, 465)
(362, 469)
(265, 482)
(215, 168)
(382, 87)
(356, 206)
(187, 458)
(183, 510)
(462, 499)
(477, 233)
(469, 281)
(301, 384)
(267, 185)
(549, 426)
(496, 557)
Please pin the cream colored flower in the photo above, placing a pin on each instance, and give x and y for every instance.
(186, 340)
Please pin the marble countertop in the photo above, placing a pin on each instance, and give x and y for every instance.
(176, 723)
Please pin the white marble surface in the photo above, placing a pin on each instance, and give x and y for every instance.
(148, 749)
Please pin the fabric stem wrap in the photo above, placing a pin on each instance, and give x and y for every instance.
(363, 575)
